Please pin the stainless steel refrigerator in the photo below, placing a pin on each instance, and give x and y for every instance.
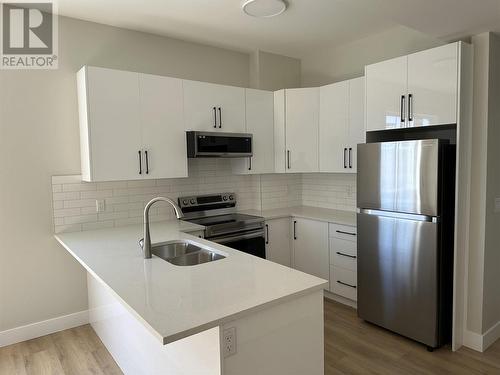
(405, 197)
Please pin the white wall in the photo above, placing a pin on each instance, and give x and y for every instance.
(329, 65)
(39, 138)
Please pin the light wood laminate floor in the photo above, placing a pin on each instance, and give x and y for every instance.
(351, 347)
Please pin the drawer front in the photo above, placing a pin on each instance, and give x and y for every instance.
(343, 254)
(343, 282)
(344, 232)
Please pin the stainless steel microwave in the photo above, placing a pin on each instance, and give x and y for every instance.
(215, 144)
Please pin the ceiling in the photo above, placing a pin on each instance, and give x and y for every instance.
(306, 25)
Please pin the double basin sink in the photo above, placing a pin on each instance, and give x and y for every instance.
(184, 253)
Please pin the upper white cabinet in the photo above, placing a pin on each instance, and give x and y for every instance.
(131, 125)
(341, 125)
(416, 90)
(211, 107)
(260, 123)
(162, 124)
(310, 247)
(297, 130)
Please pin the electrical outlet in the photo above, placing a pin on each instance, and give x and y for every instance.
(497, 205)
(100, 205)
(229, 341)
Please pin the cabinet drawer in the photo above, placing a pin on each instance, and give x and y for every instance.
(343, 282)
(344, 232)
(343, 254)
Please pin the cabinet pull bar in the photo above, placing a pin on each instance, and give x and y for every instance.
(294, 229)
(215, 117)
(410, 107)
(147, 162)
(346, 255)
(267, 233)
(403, 105)
(288, 158)
(220, 117)
(350, 157)
(345, 165)
(250, 163)
(345, 284)
(140, 162)
(342, 232)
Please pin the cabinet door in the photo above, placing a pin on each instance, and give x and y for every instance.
(113, 123)
(259, 122)
(356, 132)
(433, 86)
(280, 154)
(278, 241)
(310, 247)
(333, 127)
(302, 128)
(200, 99)
(385, 88)
(163, 131)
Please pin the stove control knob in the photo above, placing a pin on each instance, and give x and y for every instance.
(192, 201)
(185, 202)
(231, 197)
(224, 197)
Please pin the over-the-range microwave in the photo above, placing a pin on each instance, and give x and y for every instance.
(215, 144)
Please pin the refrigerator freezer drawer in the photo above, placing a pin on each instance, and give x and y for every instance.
(398, 275)
(399, 176)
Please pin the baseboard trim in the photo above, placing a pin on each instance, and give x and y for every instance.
(482, 342)
(340, 299)
(46, 327)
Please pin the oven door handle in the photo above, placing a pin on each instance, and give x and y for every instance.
(238, 237)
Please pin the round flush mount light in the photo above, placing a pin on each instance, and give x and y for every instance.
(263, 8)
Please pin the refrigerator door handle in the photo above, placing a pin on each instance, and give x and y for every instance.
(400, 215)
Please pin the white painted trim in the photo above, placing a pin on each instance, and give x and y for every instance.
(340, 299)
(491, 335)
(482, 342)
(46, 327)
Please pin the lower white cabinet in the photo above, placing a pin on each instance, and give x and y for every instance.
(343, 261)
(310, 247)
(278, 241)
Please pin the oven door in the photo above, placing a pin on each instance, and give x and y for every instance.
(249, 242)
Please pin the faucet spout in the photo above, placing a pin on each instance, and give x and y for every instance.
(146, 244)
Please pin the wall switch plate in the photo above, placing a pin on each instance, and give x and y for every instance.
(497, 205)
(229, 341)
(100, 205)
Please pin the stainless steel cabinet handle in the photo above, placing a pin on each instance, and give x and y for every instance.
(403, 105)
(342, 232)
(140, 162)
(345, 151)
(350, 157)
(267, 234)
(215, 117)
(294, 229)
(288, 158)
(410, 107)
(346, 255)
(147, 162)
(345, 284)
(220, 117)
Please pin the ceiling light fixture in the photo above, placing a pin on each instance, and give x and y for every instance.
(263, 8)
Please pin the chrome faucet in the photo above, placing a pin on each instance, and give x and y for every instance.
(146, 241)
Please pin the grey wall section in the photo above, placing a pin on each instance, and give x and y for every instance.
(348, 61)
(39, 138)
(491, 306)
(269, 71)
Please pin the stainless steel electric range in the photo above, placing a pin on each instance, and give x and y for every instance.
(217, 213)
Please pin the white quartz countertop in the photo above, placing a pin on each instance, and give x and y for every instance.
(308, 212)
(174, 302)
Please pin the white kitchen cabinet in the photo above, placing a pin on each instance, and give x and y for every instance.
(310, 247)
(212, 107)
(131, 125)
(259, 111)
(279, 132)
(302, 128)
(110, 130)
(433, 86)
(386, 84)
(343, 260)
(278, 241)
(341, 125)
(420, 89)
(162, 124)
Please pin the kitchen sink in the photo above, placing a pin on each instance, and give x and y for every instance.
(184, 253)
